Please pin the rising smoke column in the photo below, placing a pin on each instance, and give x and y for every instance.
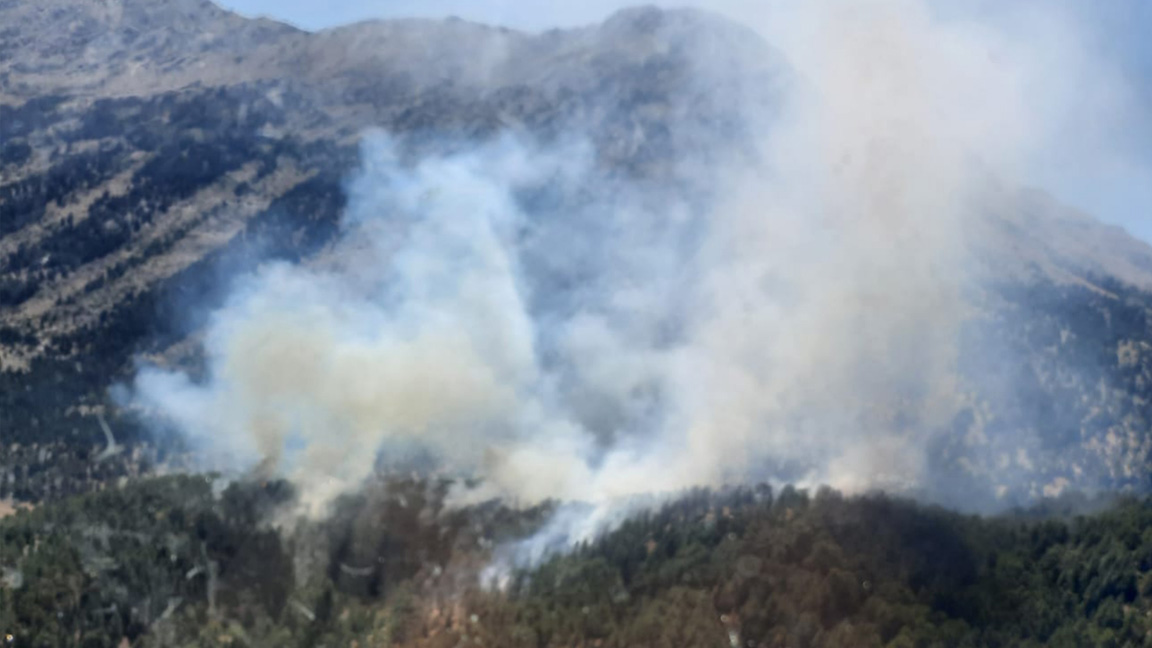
(421, 336)
(526, 317)
(602, 347)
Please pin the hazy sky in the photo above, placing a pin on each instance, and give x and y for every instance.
(1114, 184)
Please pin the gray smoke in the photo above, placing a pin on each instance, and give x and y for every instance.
(527, 318)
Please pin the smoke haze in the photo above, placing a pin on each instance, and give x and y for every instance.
(527, 317)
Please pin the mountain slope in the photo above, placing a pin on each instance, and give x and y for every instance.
(150, 151)
(155, 165)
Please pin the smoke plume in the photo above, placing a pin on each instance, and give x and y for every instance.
(529, 318)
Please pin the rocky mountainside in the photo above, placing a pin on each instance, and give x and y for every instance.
(138, 140)
(142, 145)
(150, 150)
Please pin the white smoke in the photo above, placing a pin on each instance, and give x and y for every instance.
(560, 334)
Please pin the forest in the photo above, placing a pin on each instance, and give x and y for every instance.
(193, 561)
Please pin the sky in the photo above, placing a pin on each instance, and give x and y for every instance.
(1103, 165)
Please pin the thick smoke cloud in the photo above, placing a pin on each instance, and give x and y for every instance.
(525, 317)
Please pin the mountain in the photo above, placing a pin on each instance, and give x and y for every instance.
(150, 151)
(145, 147)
